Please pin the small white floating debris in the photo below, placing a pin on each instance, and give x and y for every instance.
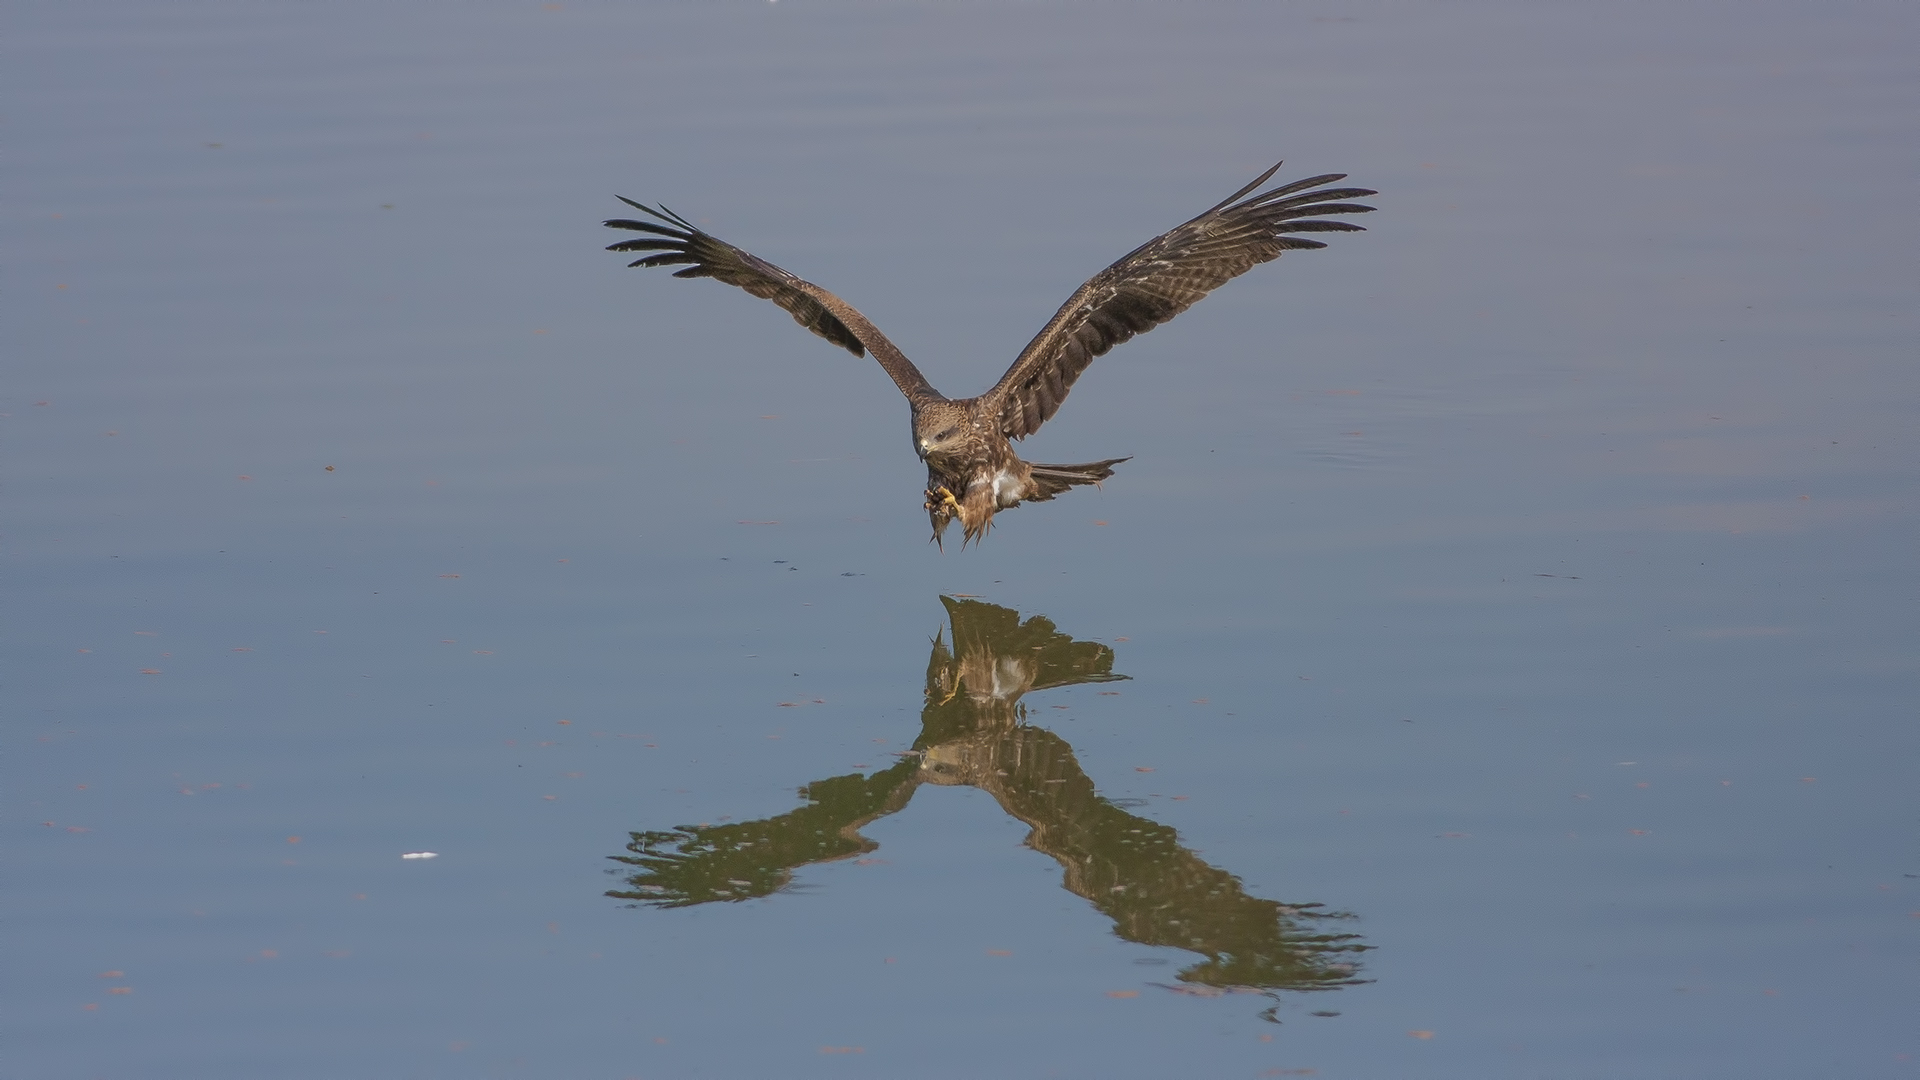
(421, 855)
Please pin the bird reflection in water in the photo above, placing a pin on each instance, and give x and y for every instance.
(973, 733)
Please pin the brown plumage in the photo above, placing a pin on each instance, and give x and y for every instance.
(972, 471)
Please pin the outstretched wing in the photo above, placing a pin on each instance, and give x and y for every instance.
(1162, 278)
(681, 242)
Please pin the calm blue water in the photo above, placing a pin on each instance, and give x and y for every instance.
(1497, 660)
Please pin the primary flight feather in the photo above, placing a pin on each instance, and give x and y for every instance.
(972, 471)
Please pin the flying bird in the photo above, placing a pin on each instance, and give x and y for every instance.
(972, 471)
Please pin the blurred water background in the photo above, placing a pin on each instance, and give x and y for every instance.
(1529, 580)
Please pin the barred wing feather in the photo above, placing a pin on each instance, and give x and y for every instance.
(680, 242)
(1162, 278)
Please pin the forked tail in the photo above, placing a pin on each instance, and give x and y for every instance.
(1051, 480)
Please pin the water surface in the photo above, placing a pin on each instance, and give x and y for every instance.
(1497, 659)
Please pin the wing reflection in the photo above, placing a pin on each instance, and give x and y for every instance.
(973, 732)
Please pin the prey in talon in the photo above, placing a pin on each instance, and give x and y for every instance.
(967, 443)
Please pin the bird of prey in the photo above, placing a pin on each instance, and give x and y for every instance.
(972, 471)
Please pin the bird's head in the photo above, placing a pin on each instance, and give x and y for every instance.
(939, 431)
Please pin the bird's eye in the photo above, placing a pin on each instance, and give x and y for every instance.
(946, 434)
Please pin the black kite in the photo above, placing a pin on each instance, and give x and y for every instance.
(972, 470)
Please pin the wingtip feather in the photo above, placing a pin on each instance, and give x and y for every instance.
(1235, 197)
(660, 212)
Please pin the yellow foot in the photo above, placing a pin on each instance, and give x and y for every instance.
(938, 497)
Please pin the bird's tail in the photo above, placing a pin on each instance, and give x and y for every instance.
(1054, 479)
